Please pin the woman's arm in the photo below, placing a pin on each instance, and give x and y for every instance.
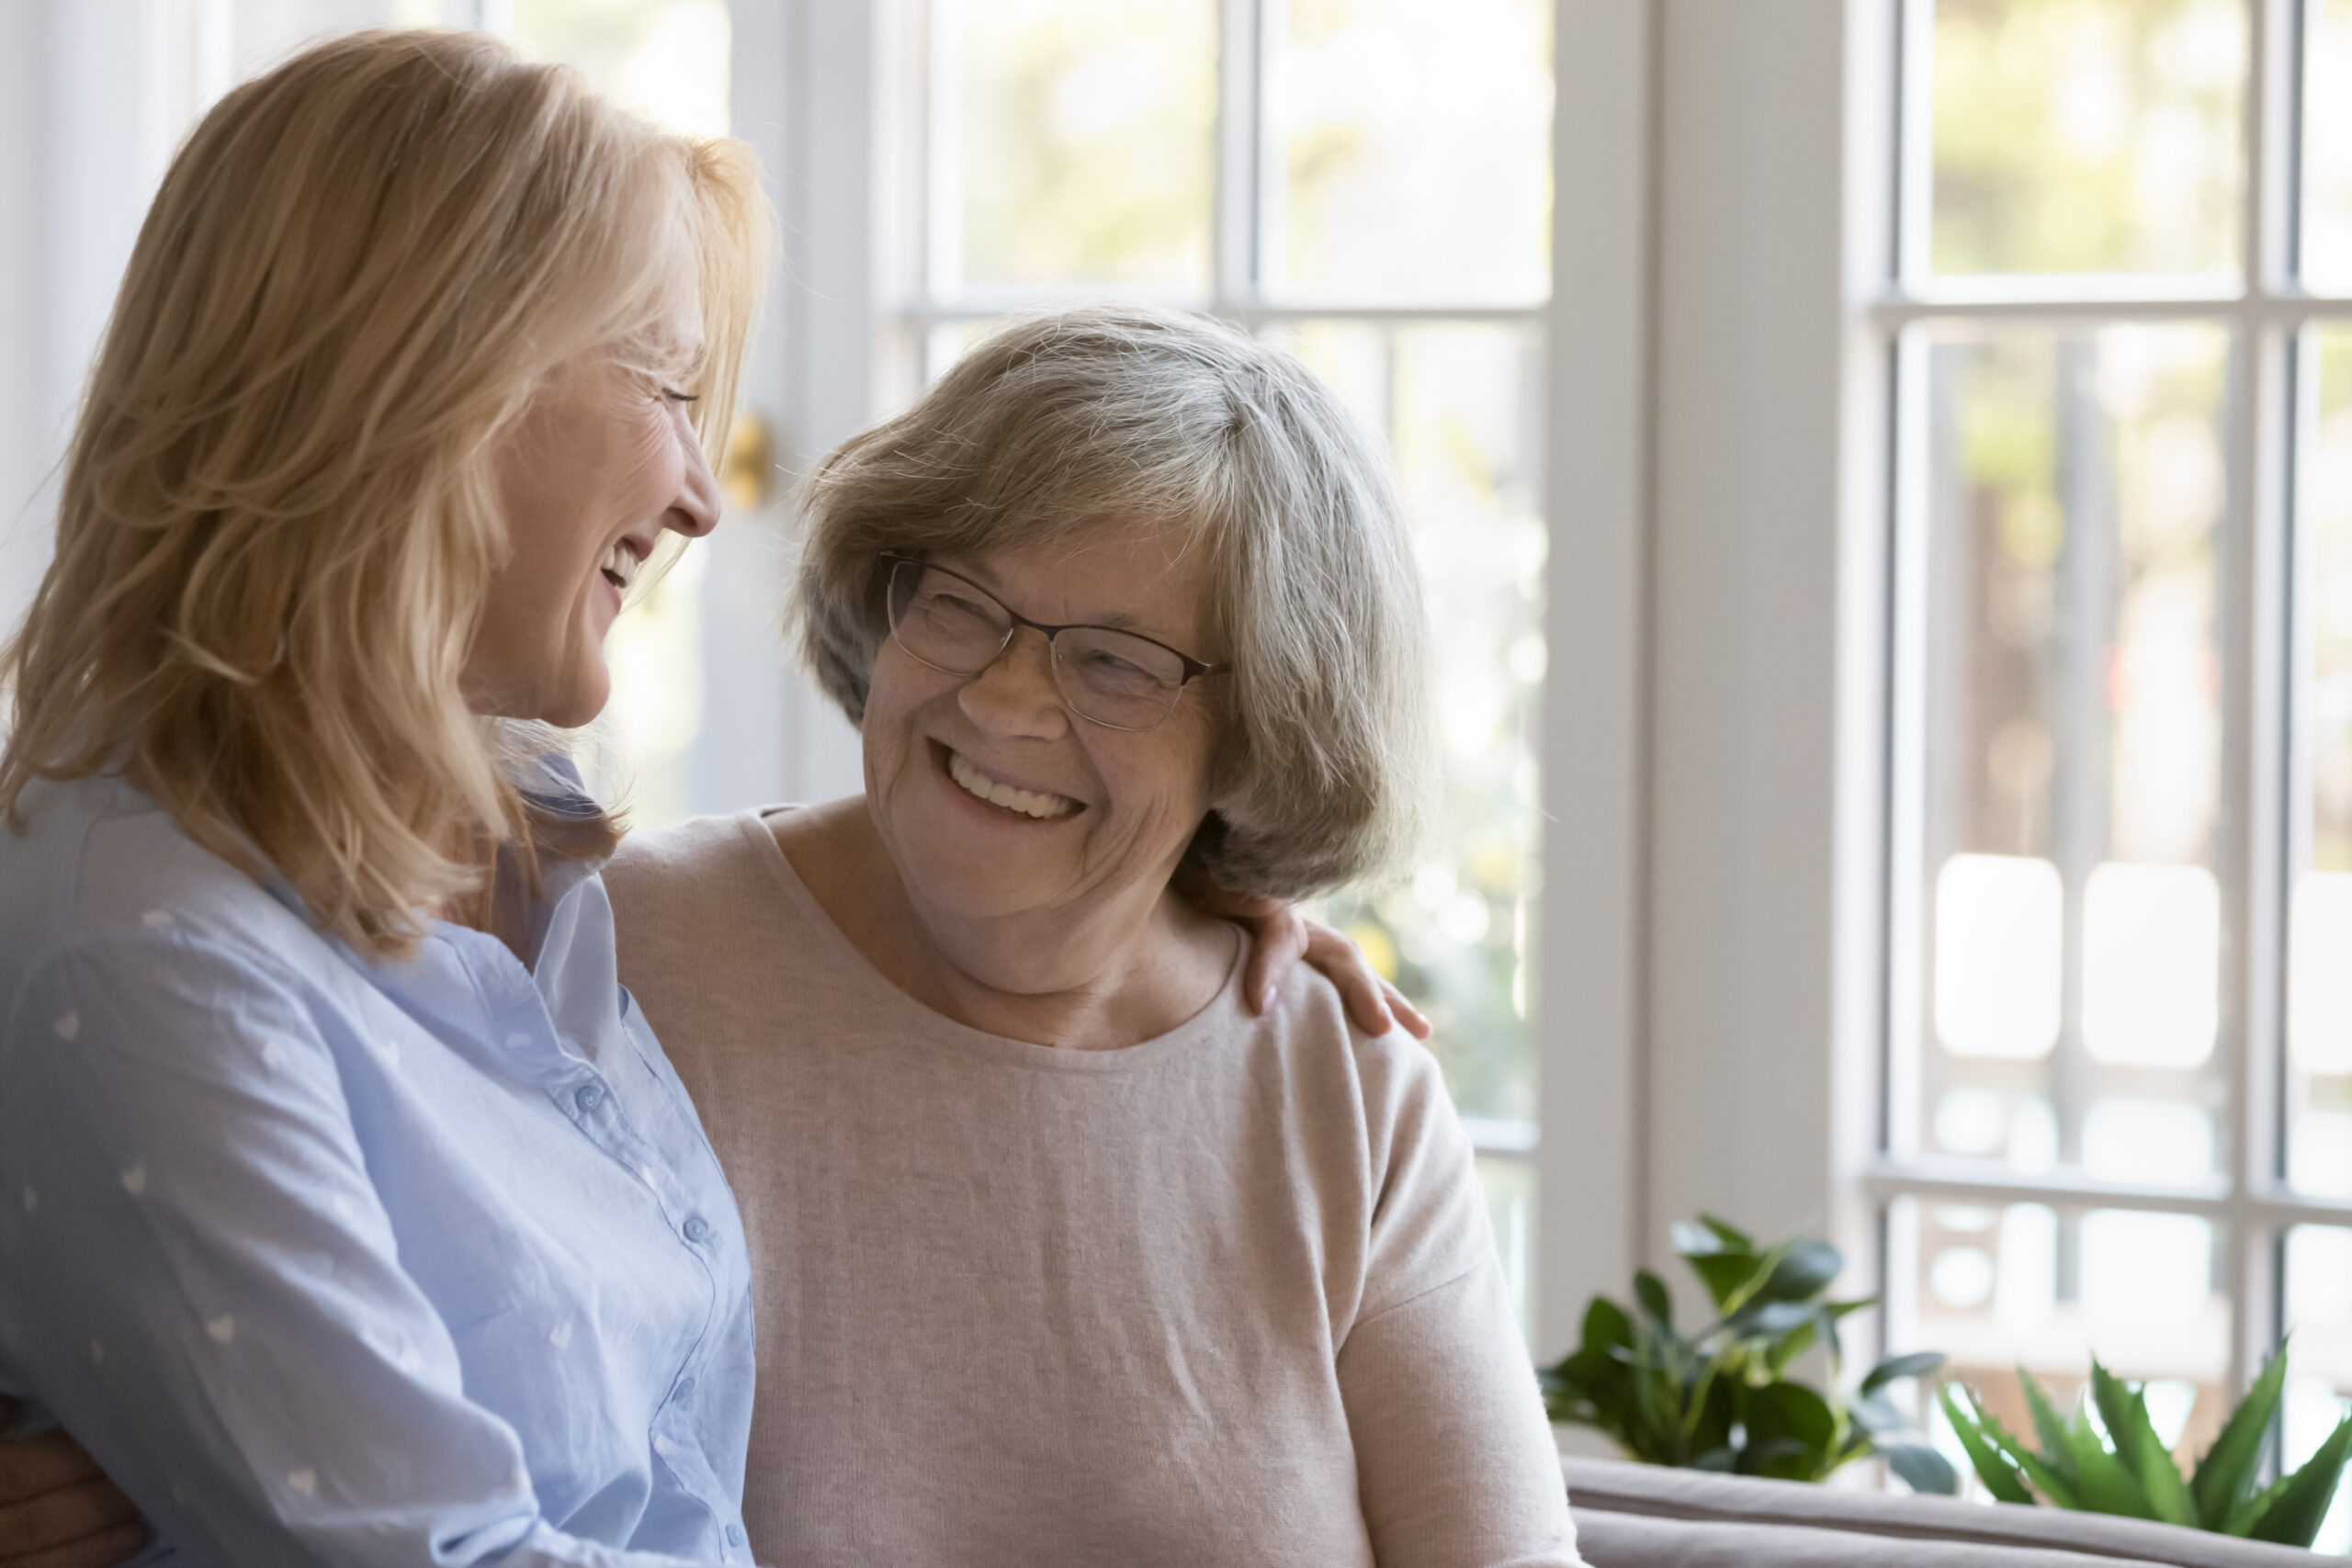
(1456, 1462)
(198, 1281)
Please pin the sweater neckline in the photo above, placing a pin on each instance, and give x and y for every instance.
(1217, 1018)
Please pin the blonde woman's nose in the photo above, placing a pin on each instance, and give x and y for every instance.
(695, 512)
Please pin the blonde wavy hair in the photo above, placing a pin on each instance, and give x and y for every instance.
(280, 512)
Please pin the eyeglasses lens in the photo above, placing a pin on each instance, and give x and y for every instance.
(1109, 677)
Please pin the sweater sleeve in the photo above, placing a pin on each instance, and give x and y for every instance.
(1455, 1463)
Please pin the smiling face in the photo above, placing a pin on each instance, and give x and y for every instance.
(995, 803)
(603, 463)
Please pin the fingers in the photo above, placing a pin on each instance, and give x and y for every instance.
(1362, 990)
(40, 1464)
(86, 1521)
(1416, 1025)
(114, 1544)
(1282, 938)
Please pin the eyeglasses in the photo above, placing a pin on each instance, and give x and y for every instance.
(1118, 680)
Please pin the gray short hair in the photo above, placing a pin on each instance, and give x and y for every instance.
(1108, 416)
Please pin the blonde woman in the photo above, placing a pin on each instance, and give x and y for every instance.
(349, 1212)
(352, 1218)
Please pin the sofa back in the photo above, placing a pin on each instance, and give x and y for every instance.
(1637, 1516)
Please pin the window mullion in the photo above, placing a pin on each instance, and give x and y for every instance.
(2255, 721)
(1240, 113)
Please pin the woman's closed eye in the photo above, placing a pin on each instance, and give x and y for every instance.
(955, 609)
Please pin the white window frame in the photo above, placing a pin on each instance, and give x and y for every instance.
(2250, 1206)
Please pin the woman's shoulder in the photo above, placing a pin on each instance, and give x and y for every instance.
(685, 861)
(1374, 1110)
(1309, 1019)
(687, 893)
(98, 865)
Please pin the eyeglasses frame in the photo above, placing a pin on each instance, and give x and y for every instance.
(1193, 668)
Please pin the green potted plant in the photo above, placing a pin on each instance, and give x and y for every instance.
(1721, 1398)
(2118, 1466)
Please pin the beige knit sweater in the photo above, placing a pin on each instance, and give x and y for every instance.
(1226, 1297)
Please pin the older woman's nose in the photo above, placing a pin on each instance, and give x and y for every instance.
(1016, 696)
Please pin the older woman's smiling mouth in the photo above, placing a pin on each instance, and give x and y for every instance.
(1028, 803)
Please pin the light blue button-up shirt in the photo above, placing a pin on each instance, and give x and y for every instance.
(337, 1262)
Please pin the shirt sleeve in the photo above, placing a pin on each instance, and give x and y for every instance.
(196, 1278)
(1455, 1463)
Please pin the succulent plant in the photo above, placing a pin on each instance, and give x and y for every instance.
(2119, 1466)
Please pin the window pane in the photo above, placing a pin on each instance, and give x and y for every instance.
(2068, 916)
(1997, 1288)
(2319, 1365)
(2325, 220)
(2319, 978)
(665, 58)
(1511, 1209)
(1408, 150)
(2088, 136)
(1459, 406)
(1072, 141)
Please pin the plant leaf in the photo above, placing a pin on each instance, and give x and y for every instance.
(1698, 1241)
(1732, 1237)
(2226, 1473)
(2000, 1477)
(1606, 1324)
(1875, 1413)
(2242, 1517)
(1651, 1291)
(2295, 1513)
(1805, 1268)
(2128, 1437)
(1728, 1276)
(2143, 1454)
(1655, 1404)
(1791, 1345)
(1921, 1468)
(2060, 1488)
(1897, 1368)
(2046, 1423)
(2103, 1484)
(1793, 1411)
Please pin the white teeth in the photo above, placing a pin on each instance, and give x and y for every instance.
(1042, 807)
(621, 563)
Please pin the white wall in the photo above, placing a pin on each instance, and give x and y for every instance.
(26, 412)
(1765, 699)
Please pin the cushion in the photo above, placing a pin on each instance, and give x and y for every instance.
(1638, 1516)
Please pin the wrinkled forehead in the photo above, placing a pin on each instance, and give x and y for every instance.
(1151, 575)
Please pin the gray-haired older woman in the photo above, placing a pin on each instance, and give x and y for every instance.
(1062, 1253)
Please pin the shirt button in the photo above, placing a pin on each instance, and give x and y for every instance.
(697, 1229)
(685, 1389)
(590, 1097)
(735, 1536)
